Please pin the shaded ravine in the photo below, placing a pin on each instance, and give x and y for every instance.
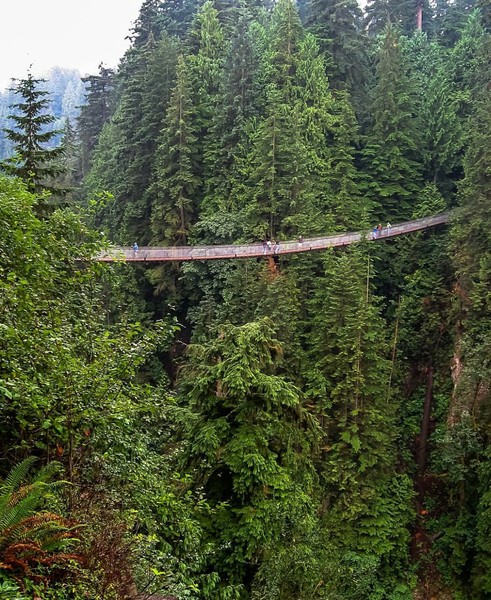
(182, 253)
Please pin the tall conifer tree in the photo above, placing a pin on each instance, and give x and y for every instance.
(398, 13)
(248, 441)
(442, 136)
(392, 154)
(96, 110)
(470, 408)
(348, 381)
(207, 53)
(339, 27)
(239, 103)
(455, 19)
(34, 161)
(176, 179)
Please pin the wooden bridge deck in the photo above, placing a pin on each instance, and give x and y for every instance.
(181, 253)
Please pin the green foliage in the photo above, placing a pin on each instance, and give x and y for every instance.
(9, 590)
(339, 29)
(348, 381)
(392, 153)
(174, 203)
(75, 387)
(250, 439)
(94, 113)
(481, 578)
(440, 102)
(62, 381)
(279, 466)
(35, 162)
(33, 541)
(398, 13)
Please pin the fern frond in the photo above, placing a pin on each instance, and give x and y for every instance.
(16, 513)
(16, 476)
(30, 539)
(36, 527)
(48, 472)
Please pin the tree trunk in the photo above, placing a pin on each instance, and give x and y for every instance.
(423, 438)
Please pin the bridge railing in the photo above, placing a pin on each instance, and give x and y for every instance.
(186, 253)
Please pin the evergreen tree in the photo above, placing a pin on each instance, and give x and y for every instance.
(240, 102)
(331, 132)
(135, 128)
(278, 182)
(348, 381)
(455, 19)
(159, 82)
(442, 137)
(314, 108)
(279, 179)
(146, 78)
(467, 61)
(104, 184)
(392, 153)
(136, 145)
(71, 146)
(439, 12)
(471, 233)
(247, 446)
(485, 9)
(207, 43)
(176, 178)
(303, 9)
(400, 14)
(349, 373)
(95, 112)
(466, 455)
(150, 22)
(286, 33)
(157, 16)
(237, 105)
(339, 25)
(34, 161)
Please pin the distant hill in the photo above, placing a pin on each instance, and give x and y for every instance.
(66, 94)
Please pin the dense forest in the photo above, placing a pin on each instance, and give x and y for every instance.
(306, 427)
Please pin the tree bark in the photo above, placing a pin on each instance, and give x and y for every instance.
(425, 425)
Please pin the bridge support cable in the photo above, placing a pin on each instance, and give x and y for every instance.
(236, 251)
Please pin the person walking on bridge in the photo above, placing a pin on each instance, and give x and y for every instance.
(135, 249)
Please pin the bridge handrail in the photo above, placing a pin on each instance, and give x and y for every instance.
(179, 253)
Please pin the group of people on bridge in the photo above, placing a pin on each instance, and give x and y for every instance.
(274, 245)
(378, 230)
(271, 246)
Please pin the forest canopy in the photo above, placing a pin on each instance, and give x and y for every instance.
(312, 426)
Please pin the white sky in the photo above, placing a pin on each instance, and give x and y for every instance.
(75, 34)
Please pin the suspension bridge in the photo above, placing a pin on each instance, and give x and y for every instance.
(227, 251)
